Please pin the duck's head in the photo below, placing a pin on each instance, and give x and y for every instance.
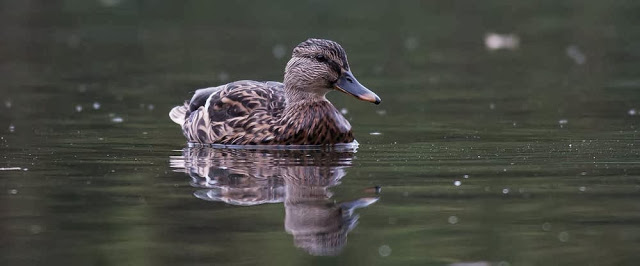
(318, 66)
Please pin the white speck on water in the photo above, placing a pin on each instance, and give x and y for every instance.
(453, 219)
(563, 121)
(582, 189)
(375, 133)
(12, 128)
(10, 168)
(411, 43)
(578, 56)
(279, 51)
(563, 236)
(13, 191)
(570, 145)
(505, 191)
(78, 108)
(8, 104)
(492, 106)
(26, 169)
(96, 105)
(457, 183)
(223, 76)
(344, 111)
(504, 169)
(150, 107)
(466, 176)
(35, 229)
(145, 132)
(630, 112)
(583, 173)
(546, 227)
(381, 112)
(117, 119)
(495, 41)
(384, 250)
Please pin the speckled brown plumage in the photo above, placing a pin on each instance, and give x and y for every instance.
(272, 113)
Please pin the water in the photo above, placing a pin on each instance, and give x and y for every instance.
(524, 154)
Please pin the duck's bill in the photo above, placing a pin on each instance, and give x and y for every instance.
(348, 84)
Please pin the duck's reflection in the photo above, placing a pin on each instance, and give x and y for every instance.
(299, 178)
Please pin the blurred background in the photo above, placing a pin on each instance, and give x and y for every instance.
(507, 133)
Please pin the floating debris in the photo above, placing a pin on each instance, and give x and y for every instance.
(505, 191)
(96, 105)
(465, 176)
(384, 250)
(574, 53)
(495, 41)
(457, 183)
(279, 51)
(563, 121)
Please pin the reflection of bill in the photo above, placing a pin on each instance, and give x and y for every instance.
(299, 178)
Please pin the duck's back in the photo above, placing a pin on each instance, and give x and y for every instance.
(241, 112)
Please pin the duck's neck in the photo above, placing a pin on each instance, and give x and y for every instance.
(309, 118)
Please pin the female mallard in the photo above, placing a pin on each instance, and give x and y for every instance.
(272, 113)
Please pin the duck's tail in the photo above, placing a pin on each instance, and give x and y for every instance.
(179, 113)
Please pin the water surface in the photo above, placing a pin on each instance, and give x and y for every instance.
(527, 155)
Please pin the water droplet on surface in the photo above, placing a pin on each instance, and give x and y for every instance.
(78, 108)
(411, 43)
(466, 176)
(96, 105)
(578, 56)
(453, 219)
(505, 191)
(563, 236)
(384, 250)
(457, 183)
(279, 51)
(495, 41)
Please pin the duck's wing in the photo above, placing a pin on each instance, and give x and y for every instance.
(234, 113)
(180, 113)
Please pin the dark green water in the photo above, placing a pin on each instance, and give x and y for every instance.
(520, 156)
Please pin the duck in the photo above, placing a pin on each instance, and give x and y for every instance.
(293, 112)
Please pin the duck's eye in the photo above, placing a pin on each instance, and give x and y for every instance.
(321, 58)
